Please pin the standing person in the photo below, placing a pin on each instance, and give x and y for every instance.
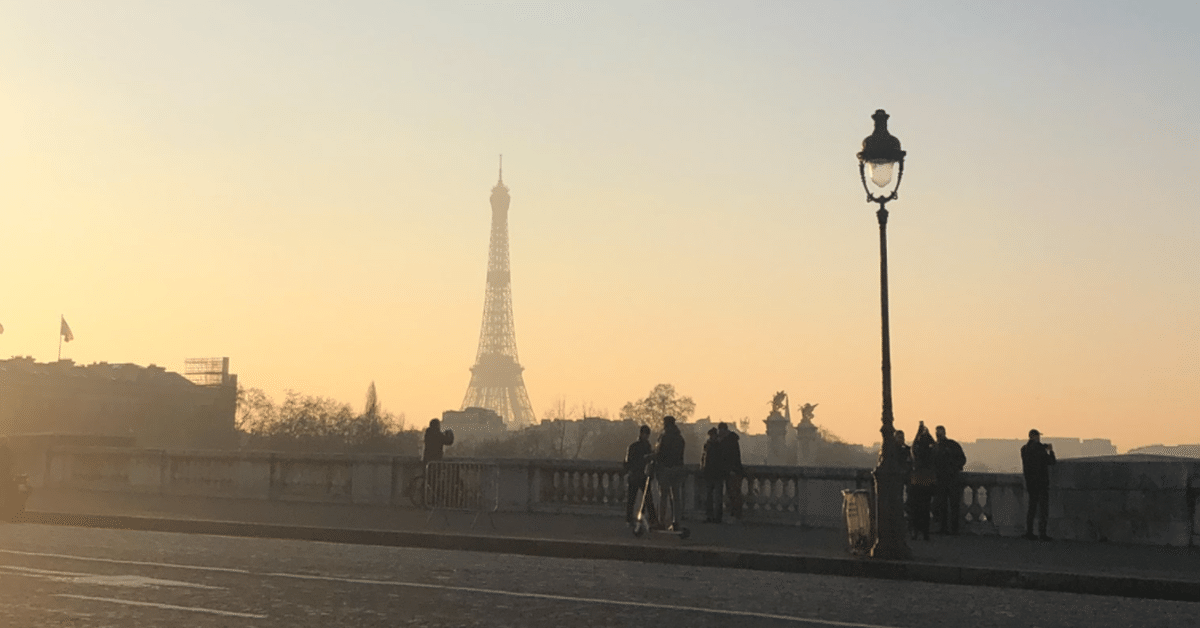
(435, 441)
(636, 458)
(1036, 459)
(713, 470)
(731, 456)
(668, 459)
(445, 487)
(923, 481)
(948, 460)
(906, 462)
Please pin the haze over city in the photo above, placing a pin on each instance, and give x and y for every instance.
(304, 188)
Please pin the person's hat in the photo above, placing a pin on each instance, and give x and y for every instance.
(1033, 433)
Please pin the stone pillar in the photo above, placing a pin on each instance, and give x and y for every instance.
(778, 452)
(807, 437)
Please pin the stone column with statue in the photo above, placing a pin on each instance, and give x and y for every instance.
(778, 426)
(807, 436)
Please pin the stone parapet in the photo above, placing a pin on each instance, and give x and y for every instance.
(1127, 499)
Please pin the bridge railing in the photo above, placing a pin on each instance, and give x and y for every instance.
(1143, 501)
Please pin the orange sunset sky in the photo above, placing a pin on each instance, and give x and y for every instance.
(303, 187)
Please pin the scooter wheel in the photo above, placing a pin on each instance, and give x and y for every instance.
(684, 534)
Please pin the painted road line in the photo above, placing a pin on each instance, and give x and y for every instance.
(171, 607)
(586, 600)
(543, 596)
(125, 562)
(102, 580)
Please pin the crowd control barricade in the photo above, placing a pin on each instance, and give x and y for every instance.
(462, 486)
(856, 506)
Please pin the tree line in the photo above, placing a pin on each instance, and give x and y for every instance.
(312, 424)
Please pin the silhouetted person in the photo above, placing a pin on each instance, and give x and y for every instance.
(906, 462)
(713, 470)
(670, 470)
(922, 482)
(637, 457)
(1036, 459)
(435, 441)
(948, 460)
(731, 458)
(905, 452)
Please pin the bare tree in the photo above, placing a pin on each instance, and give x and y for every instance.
(318, 424)
(661, 401)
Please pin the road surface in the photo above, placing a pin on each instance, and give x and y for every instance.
(61, 576)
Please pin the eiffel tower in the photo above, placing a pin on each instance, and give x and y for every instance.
(496, 382)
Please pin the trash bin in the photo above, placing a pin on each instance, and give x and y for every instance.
(856, 506)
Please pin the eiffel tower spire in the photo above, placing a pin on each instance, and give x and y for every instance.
(496, 381)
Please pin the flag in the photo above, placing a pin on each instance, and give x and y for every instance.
(1, 329)
(65, 331)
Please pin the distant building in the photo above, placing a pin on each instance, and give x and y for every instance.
(1179, 451)
(1003, 455)
(155, 407)
(479, 422)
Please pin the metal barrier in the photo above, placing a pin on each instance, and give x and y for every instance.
(464, 486)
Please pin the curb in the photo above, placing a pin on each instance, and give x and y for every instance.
(1090, 584)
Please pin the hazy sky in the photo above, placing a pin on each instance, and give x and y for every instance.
(303, 187)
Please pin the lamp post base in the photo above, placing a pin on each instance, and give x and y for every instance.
(890, 532)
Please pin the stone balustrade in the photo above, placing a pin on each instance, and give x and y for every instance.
(1142, 499)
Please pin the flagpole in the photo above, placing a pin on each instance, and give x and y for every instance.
(61, 318)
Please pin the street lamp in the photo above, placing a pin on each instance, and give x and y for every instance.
(881, 155)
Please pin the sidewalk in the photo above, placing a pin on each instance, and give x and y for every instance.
(1139, 571)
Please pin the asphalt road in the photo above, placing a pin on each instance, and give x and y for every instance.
(81, 577)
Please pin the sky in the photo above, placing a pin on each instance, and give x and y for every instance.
(303, 187)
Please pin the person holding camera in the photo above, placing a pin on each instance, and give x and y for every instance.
(1036, 459)
(435, 441)
(922, 481)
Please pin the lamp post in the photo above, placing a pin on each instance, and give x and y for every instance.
(881, 154)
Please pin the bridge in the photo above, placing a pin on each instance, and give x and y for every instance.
(124, 537)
